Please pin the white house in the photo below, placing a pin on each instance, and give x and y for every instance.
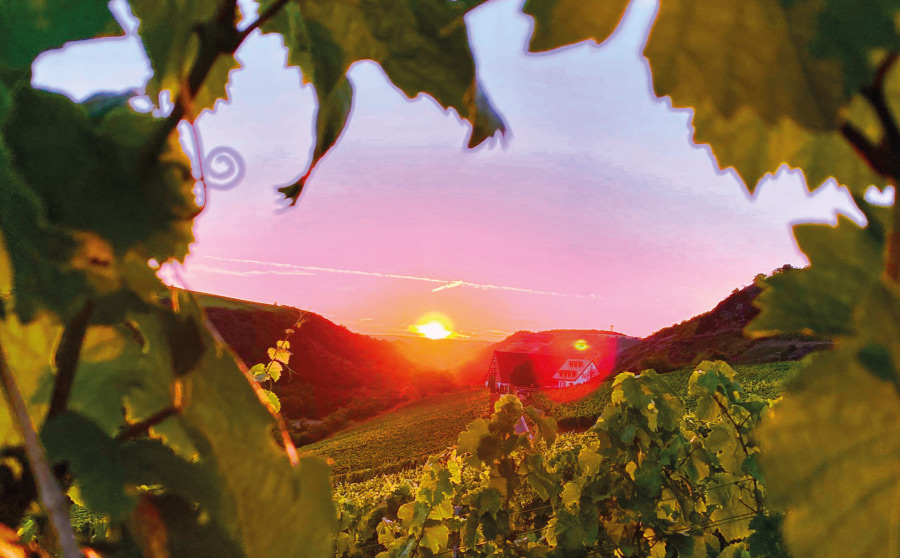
(575, 371)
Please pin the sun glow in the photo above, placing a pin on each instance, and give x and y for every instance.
(434, 326)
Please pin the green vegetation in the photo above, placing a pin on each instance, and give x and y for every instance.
(402, 437)
(123, 389)
(405, 437)
(648, 480)
(763, 380)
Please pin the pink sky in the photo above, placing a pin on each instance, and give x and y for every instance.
(596, 211)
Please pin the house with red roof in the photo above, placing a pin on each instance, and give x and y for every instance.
(510, 371)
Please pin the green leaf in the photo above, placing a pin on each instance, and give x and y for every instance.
(169, 31)
(422, 46)
(273, 369)
(470, 439)
(590, 461)
(435, 538)
(270, 495)
(29, 28)
(188, 534)
(831, 455)
(93, 237)
(73, 439)
(877, 360)
(559, 23)
(272, 400)
(845, 263)
(855, 36)
(258, 371)
(768, 82)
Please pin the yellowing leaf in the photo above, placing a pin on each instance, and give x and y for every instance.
(435, 538)
(280, 355)
(272, 400)
(273, 369)
(28, 350)
(571, 493)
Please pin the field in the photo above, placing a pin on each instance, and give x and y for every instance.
(404, 436)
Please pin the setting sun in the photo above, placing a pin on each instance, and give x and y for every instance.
(434, 326)
(433, 330)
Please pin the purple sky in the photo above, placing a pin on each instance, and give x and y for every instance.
(596, 211)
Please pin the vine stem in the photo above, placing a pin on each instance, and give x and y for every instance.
(740, 437)
(48, 490)
(883, 158)
(892, 257)
(217, 36)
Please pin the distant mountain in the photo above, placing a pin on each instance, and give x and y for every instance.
(440, 354)
(333, 367)
(714, 335)
(603, 347)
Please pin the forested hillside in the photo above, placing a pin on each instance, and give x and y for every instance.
(332, 367)
(717, 334)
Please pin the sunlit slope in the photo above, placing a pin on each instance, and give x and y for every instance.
(411, 431)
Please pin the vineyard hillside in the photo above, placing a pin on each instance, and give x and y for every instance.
(717, 334)
(337, 376)
(404, 437)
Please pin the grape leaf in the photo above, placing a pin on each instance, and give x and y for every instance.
(73, 439)
(223, 423)
(845, 263)
(832, 454)
(272, 400)
(28, 349)
(169, 31)
(763, 93)
(270, 495)
(94, 236)
(274, 370)
(422, 46)
(29, 28)
(854, 35)
(559, 23)
(435, 538)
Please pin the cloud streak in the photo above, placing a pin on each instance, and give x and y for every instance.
(444, 284)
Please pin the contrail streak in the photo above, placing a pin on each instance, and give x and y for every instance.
(444, 283)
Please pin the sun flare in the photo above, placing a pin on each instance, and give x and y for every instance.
(433, 330)
(433, 326)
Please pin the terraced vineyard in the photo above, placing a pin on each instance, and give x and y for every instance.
(403, 437)
(764, 380)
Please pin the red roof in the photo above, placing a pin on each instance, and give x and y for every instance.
(545, 366)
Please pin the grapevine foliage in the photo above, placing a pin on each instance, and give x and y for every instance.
(814, 84)
(93, 197)
(647, 481)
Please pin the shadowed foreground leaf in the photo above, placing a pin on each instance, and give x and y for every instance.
(422, 45)
(831, 449)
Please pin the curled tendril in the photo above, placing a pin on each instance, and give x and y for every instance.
(224, 167)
